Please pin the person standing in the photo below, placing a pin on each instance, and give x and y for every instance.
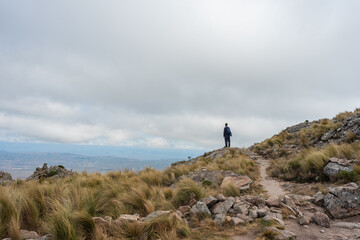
(227, 135)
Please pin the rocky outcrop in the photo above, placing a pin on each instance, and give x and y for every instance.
(210, 156)
(240, 182)
(5, 177)
(50, 172)
(350, 125)
(335, 166)
(344, 201)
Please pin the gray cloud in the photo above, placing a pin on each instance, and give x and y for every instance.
(169, 74)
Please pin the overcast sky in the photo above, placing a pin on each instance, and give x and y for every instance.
(171, 73)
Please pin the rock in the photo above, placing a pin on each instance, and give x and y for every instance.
(209, 201)
(5, 177)
(50, 172)
(100, 222)
(307, 199)
(223, 207)
(219, 219)
(281, 234)
(220, 197)
(334, 167)
(347, 225)
(258, 201)
(128, 218)
(285, 235)
(304, 220)
(157, 214)
(235, 221)
(319, 198)
(273, 202)
(25, 234)
(321, 219)
(272, 216)
(245, 218)
(200, 210)
(253, 213)
(184, 209)
(262, 212)
(240, 182)
(289, 201)
(344, 201)
(45, 237)
(210, 177)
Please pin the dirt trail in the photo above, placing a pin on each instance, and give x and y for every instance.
(272, 186)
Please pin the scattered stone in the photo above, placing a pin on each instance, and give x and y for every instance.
(223, 207)
(235, 221)
(245, 218)
(25, 234)
(319, 198)
(342, 202)
(322, 231)
(292, 217)
(209, 201)
(273, 202)
(262, 212)
(253, 213)
(321, 219)
(157, 214)
(200, 210)
(219, 219)
(304, 220)
(220, 197)
(289, 201)
(184, 209)
(240, 182)
(281, 234)
(348, 225)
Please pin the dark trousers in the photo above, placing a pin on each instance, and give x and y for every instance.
(227, 141)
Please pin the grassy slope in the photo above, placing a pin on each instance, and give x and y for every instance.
(294, 156)
(65, 207)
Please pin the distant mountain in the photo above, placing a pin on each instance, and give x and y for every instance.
(22, 165)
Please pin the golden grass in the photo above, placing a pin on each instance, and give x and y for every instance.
(308, 164)
(65, 207)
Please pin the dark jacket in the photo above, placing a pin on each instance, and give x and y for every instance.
(227, 132)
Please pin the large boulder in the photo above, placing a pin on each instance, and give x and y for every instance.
(344, 201)
(240, 182)
(335, 166)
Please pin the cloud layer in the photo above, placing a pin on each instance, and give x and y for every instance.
(170, 74)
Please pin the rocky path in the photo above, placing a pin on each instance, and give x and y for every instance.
(272, 186)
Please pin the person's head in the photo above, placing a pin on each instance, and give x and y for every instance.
(225, 124)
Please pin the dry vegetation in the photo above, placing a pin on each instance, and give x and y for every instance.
(309, 163)
(65, 207)
(286, 144)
